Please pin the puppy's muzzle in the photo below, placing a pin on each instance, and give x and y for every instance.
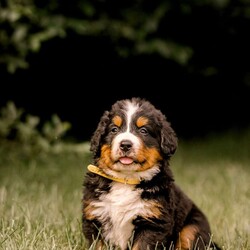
(126, 145)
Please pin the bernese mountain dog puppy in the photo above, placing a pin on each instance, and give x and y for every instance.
(130, 199)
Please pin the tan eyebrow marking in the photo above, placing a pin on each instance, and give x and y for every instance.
(141, 121)
(117, 120)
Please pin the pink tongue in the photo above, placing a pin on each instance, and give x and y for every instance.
(126, 160)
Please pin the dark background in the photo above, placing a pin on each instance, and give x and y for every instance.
(78, 77)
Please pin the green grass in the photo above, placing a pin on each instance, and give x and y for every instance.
(40, 193)
(40, 199)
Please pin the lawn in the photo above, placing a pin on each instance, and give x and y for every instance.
(40, 192)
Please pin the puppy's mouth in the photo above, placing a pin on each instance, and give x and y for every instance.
(126, 160)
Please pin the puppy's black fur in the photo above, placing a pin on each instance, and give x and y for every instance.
(134, 139)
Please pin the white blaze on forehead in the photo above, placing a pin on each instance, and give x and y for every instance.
(131, 109)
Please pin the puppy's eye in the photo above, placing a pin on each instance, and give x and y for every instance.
(114, 130)
(143, 131)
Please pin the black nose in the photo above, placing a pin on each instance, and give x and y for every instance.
(125, 145)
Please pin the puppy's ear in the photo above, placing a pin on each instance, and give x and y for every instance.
(169, 139)
(97, 138)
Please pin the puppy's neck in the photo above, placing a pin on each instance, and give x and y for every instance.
(99, 171)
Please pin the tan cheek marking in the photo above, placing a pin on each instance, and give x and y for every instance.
(150, 155)
(186, 237)
(117, 120)
(105, 160)
(141, 121)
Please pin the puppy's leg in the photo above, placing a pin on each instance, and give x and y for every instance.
(150, 240)
(100, 245)
(141, 246)
(187, 237)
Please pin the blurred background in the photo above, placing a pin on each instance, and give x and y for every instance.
(63, 63)
(76, 58)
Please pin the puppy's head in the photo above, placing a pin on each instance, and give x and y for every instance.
(132, 139)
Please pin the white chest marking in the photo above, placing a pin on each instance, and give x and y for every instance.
(121, 205)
